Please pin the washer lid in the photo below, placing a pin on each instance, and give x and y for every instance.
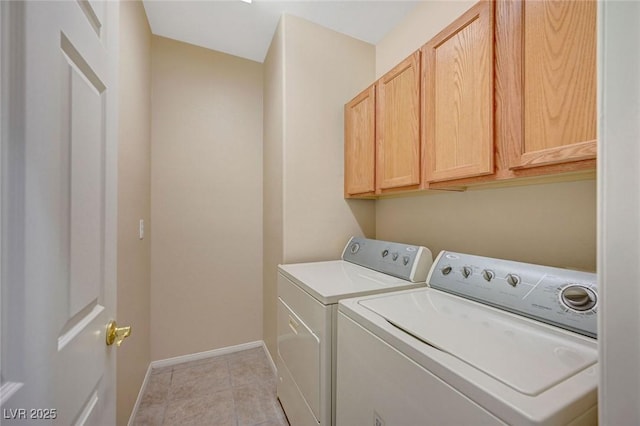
(528, 356)
(333, 280)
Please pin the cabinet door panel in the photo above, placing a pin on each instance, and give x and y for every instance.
(558, 65)
(359, 144)
(458, 98)
(398, 126)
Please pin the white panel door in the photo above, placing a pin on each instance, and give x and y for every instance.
(59, 161)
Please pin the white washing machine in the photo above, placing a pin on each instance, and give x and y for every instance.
(490, 342)
(308, 294)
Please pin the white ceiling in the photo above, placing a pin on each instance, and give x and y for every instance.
(246, 29)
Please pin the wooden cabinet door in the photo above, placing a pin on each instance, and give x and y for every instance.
(550, 71)
(398, 126)
(458, 98)
(359, 144)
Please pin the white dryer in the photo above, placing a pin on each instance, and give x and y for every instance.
(308, 294)
(490, 342)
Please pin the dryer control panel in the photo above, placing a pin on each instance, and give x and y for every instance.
(561, 297)
(411, 263)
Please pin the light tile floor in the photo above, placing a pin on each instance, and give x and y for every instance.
(237, 389)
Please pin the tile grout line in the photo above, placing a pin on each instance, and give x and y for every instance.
(233, 398)
(167, 397)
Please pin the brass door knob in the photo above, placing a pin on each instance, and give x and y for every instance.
(116, 334)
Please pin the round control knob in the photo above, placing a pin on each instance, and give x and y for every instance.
(385, 253)
(578, 298)
(394, 256)
(446, 270)
(466, 271)
(513, 280)
(488, 274)
(354, 248)
(405, 260)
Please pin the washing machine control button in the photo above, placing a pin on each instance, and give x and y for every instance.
(513, 280)
(385, 253)
(446, 270)
(354, 248)
(466, 271)
(405, 260)
(488, 274)
(578, 297)
(394, 256)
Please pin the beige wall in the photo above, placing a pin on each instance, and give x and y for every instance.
(273, 173)
(206, 199)
(323, 70)
(551, 224)
(310, 72)
(134, 201)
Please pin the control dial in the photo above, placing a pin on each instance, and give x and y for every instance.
(466, 271)
(354, 248)
(446, 270)
(578, 297)
(513, 280)
(488, 274)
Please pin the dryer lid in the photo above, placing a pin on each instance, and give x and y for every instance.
(526, 355)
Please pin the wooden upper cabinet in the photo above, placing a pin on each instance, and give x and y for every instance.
(457, 98)
(506, 91)
(547, 70)
(359, 144)
(398, 126)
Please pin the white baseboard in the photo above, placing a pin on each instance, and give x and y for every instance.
(206, 354)
(268, 354)
(139, 398)
(194, 357)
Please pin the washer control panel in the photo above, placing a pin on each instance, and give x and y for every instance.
(561, 297)
(404, 261)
